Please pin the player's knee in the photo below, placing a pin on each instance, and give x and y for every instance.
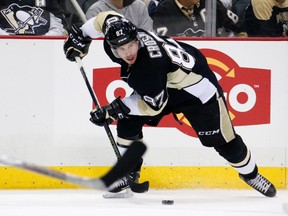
(233, 151)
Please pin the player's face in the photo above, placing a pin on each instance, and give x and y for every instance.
(128, 52)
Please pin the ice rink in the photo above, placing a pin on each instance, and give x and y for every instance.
(186, 203)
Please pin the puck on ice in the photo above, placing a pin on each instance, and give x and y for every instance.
(167, 202)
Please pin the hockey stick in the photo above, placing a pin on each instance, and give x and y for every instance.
(135, 187)
(122, 167)
(79, 10)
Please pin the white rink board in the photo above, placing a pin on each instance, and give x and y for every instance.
(45, 105)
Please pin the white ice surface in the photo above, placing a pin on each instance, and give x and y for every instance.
(186, 203)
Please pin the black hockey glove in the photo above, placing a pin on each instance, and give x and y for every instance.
(110, 113)
(76, 45)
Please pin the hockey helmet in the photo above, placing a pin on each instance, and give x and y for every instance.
(120, 32)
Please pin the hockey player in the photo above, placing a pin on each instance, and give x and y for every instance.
(167, 76)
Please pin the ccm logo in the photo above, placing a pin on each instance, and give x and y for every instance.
(208, 133)
(77, 43)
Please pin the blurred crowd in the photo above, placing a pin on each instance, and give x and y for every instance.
(178, 18)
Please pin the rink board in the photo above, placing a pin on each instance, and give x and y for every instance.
(159, 177)
(45, 105)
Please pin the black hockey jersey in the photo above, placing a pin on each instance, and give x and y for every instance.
(166, 75)
(31, 17)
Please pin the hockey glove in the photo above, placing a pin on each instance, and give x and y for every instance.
(76, 45)
(110, 113)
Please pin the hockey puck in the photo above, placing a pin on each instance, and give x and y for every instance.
(167, 202)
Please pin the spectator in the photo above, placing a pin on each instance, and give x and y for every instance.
(187, 18)
(71, 14)
(152, 5)
(223, 32)
(26, 17)
(227, 3)
(86, 4)
(134, 10)
(239, 6)
(267, 18)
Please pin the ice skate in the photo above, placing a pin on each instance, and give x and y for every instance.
(261, 184)
(121, 188)
(120, 185)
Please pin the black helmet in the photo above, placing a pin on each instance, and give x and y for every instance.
(120, 32)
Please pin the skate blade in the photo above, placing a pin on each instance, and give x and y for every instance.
(127, 193)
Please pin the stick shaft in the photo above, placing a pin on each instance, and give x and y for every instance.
(95, 183)
(97, 106)
(122, 167)
(79, 10)
(92, 93)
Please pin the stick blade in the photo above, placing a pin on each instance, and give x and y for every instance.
(126, 163)
(139, 187)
